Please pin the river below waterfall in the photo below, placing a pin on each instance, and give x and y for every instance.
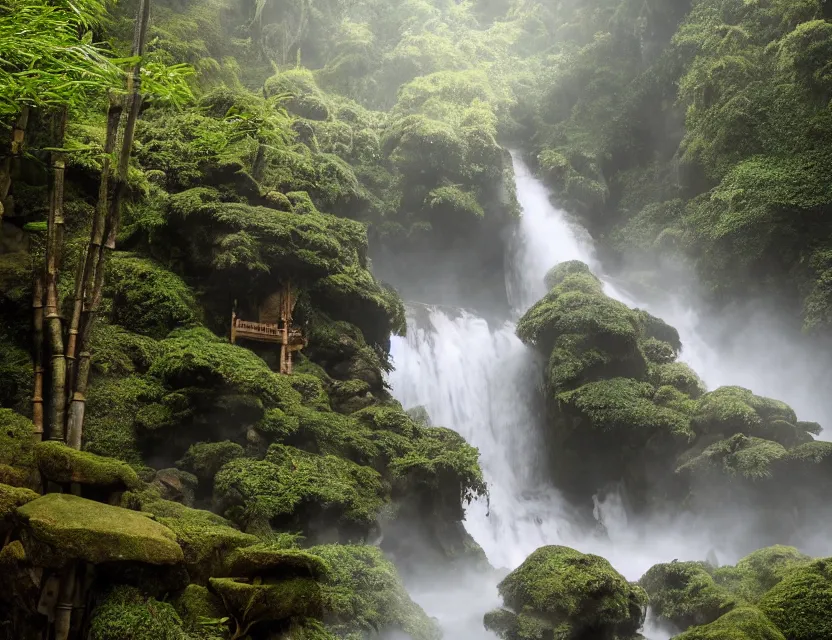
(480, 380)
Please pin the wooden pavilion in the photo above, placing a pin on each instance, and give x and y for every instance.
(274, 325)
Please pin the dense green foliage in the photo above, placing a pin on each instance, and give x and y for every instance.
(287, 142)
(560, 591)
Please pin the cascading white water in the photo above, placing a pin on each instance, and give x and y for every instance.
(483, 382)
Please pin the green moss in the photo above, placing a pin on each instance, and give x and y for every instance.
(250, 604)
(685, 594)
(736, 457)
(60, 463)
(268, 560)
(570, 591)
(730, 410)
(118, 352)
(125, 614)
(759, 571)
(297, 486)
(743, 623)
(205, 538)
(205, 459)
(10, 499)
(625, 406)
(799, 604)
(16, 448)
(657, 351)
(113, 410)
(196, 604)
(196, 357)
(557, 274)
(148, 298)
(679, 376)
(59, 527)
(441, 465)
(365, 595)
(585, 333)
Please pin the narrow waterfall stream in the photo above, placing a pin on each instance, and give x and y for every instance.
(484, 383)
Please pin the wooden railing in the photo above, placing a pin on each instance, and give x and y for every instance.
(264, 332)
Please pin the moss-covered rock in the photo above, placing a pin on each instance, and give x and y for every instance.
(731, 410)
(685, 594)
(126, 614)
(197, 604)
(799, 604)
(269, 561)
(60, 527)
(302, 489)
(251, 603)
(560, 591)
(62, 464)
(206, 539)
(760, 571)
(10, 499)
(742, 623)
(205, 459)
(366, 596)
(148, 298)
(739, 457)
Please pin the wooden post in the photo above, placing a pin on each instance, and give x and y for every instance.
(233, 327)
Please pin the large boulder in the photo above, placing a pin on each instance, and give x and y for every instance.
(760, 571)
(685, 594)
(58, 528)
(563, 593)
(743, 623)
(64, 465)
(799, 605)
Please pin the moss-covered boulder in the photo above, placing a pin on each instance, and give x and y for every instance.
(742, 623)
(799, 604)
(365, 595)
(560, 591)
(252, 603)
(205, 459)
(197, 604)
(731, 410)
(298, 489)
(685, 594)
(147, 297)
(619, 406)
(58, 528)
(206, 539)
(760, 571)
(10, 499)
(584, 332)
(739, 457)
(268, 561)
(126, 614)
(64, 465)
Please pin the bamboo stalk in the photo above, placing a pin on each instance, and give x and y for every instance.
(111, 225)
(85, 277)
(54, 247)
(37, 395)
(18, 136)
(66, 600)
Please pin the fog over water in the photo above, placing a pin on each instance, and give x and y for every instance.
(480, 380)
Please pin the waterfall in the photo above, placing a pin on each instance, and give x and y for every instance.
(480, 380)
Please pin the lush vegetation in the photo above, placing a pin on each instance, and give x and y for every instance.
(156, 176)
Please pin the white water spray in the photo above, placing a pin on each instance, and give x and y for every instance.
(483, 382)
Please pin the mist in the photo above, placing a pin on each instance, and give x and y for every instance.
(476, 376)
